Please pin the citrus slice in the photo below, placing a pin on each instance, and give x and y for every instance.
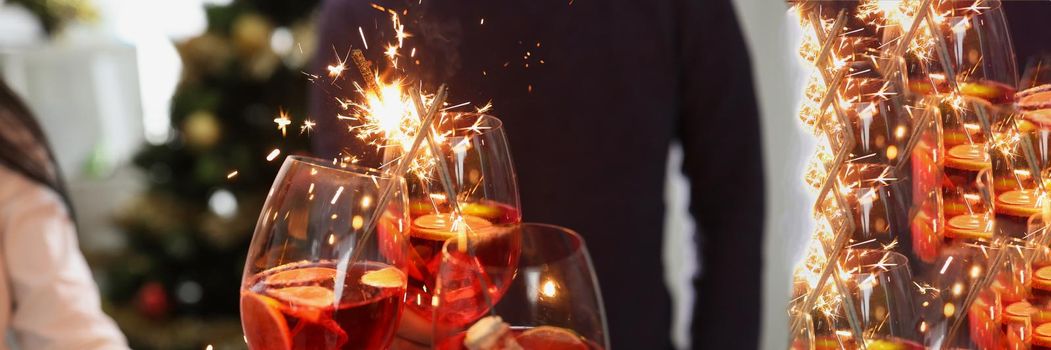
(265, 327)
(550, 338)
(1018, 312)
(490, 332)
(305, 296)
(481, 210)
(1040, 117)
(1020, 203)
(300, 276)
(968, 157)
(439, 227)
(1040, 88)
(387, 277)
(973, 226)
(988, 90)
(892, 344)
(1036, 100)
(1042, 335)
(1042, 278)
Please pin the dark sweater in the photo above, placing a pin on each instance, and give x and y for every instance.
(590, 129)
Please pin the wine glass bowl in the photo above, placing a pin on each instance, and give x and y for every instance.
(880, 285)
(553, 299)
(474, 149)
(317, 276)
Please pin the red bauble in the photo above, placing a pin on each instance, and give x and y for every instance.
(152, 300)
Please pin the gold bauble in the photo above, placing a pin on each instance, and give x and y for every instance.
(201, 130)
(251, 34)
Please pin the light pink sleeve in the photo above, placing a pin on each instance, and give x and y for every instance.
(55, 299)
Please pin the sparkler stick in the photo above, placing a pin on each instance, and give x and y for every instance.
(400, 170)
(895, 68)
(444, 174)
(447, 183)
(832, 84)
(365, 69)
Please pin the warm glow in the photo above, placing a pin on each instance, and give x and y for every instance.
(549, 289)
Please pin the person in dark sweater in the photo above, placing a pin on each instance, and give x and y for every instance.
(1027, 22)
(592, 94)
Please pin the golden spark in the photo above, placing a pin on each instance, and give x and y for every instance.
(282, 122)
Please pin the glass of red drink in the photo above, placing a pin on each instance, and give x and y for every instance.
(475, 150)
(553, 302)
(316, 276)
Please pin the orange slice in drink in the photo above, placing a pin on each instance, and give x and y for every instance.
(439, 227)
(480, 210)
(1042, 335)
(550, 338)
(968, 157)
(1035, 100)
(892, 344)
(1042, 278)
(1020, 203)
(1040, 117)
(388, 277)
(300, 276)
(305, 296)
(988, 91)
(973, 226)
(265, 326)
(490, 332)
(1018, 312)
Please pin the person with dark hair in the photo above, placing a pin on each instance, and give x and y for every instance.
(592, 94)
(48, 298)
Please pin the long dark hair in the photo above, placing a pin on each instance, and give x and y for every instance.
(23, 146)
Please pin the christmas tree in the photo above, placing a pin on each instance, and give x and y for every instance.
(176, 285)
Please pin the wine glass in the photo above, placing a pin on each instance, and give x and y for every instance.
(880, 289)
(301, 287)
(553, 302)
(979, 43)
(474, 148)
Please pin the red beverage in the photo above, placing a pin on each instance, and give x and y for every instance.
(530, 338)
(295, 306)
(496, 251)
(1042, 337)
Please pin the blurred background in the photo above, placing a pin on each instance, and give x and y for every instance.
(152, 105)
(149, 106)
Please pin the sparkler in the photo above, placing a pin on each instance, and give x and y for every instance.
(403, 168)
(399, 122)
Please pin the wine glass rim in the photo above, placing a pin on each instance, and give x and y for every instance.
(521, 226)
(493, 122)
(564, 229)
(987, 7)
(351, 169)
